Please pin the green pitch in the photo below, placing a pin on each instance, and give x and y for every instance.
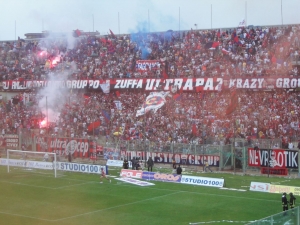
(33, 198)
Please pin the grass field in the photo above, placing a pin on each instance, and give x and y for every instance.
(31, 198)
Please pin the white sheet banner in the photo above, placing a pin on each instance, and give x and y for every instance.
(258, 186)
(136, 182)
(27, 164)
(202, 181)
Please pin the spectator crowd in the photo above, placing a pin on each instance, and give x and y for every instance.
(194, 118)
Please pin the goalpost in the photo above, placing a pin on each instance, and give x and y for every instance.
(29, 160)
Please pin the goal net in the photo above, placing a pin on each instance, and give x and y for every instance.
(27, 161)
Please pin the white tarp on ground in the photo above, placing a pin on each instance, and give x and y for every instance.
(134, 181)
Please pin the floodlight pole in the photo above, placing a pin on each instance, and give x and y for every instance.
(119, 22)
(234, 146)
(47, 117)
(281, 14)
(179, 23)
(148, 22)
(211, 16)
(144, 137)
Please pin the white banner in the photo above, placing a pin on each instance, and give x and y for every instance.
(202, 181)
(64, 166)
(105, 87)
(154, 101)
(118, 104)
(258, 186)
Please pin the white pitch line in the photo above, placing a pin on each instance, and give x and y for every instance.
(48, 187)
(114, 207)
(75, 185)
(30, 217)
(28, 185)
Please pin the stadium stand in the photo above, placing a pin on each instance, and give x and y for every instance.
(188, 116)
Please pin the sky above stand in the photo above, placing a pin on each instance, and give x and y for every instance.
(129, 16)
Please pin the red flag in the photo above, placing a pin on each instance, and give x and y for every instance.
(199, 88)
(273, 60)
(112, 33)
(194, 129)
(177, 97)
(94, 125)
(215, 44)
(236, 39)
(78, 32)
(165, 75)
(118, 94)
(234, 102)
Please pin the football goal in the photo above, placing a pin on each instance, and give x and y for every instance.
(40, 162)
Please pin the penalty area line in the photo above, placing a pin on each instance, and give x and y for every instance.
(30, 217)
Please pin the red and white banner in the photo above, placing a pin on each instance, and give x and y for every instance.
(183, 84)
(131, 173)
(63, 146)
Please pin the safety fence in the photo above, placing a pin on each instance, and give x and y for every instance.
(230, 156)
(290, 217)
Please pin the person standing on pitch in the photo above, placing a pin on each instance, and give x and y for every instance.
(206, 166)
(103, 174)
(125, 164)
(178, 170)
(284, 203)
(292, 200)
(150, 163)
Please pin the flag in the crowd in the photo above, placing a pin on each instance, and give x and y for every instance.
(233, 101)
(87, 97)
(273, 59)
(118, 94)
(105, 87)
(242, 23)
(25, 98)
(153, 102)
(112, 33)
(78, 32)
(219, 87)
(94, 125)
(165, 75)
(224, 51)
(194, 130)
(236, 39)
(106, 115)
(202, 95)
(177, 97)
(215, 44)
(118, 104)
